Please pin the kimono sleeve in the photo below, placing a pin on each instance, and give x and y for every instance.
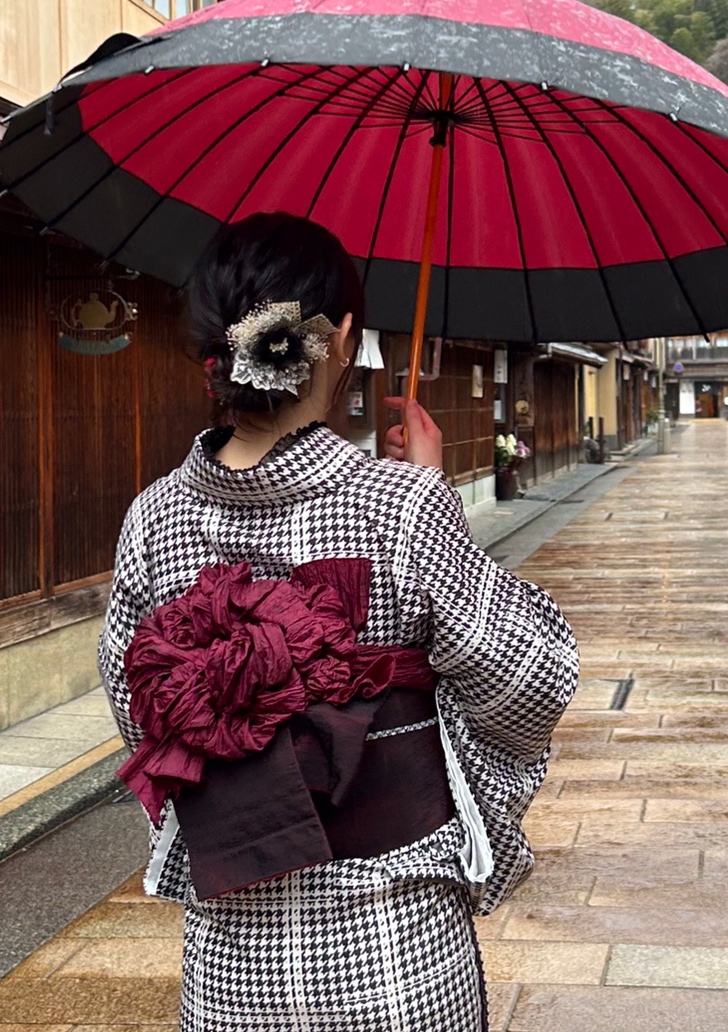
(129, 601)
(502, 640)
(509, 667)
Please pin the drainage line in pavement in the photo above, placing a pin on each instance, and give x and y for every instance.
(621, 694)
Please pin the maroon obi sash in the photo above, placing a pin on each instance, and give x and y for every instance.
(266, 722)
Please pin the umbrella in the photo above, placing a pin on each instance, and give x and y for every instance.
(522, 171)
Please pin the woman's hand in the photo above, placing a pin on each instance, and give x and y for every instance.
(422, 444)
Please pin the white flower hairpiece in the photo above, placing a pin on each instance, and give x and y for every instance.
(276, 315)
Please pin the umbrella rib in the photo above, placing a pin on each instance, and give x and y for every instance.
(638, 203)
(287, 139)
(390, 174)
(345, 143)
(668, 165)
(512, 194)
(135, 150)
(210, 147)
(577, 205)
(84, 132)
(685, 130)
(448, 245)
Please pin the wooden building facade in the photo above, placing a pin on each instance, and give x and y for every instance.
(80, 435)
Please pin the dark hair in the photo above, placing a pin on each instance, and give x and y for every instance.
(267, 257)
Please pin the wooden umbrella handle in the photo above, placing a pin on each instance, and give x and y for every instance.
(423, 284)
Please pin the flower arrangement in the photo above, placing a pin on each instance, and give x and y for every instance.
(509, 452)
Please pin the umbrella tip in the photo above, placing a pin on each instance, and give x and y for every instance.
(406, 67)
(149, 69)
(544, 86)
(265, 62)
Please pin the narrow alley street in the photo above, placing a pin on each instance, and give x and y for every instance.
(624, 925)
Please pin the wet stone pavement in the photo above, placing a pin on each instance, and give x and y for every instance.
(624, 925)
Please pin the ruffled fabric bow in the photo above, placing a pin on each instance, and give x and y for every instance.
(215, 673)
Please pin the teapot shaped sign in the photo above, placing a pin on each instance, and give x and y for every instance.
(94, 323)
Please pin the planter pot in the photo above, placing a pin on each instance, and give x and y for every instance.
(506, 484)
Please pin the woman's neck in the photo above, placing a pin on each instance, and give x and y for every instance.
(250, 443)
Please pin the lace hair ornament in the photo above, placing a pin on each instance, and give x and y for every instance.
(250, 366)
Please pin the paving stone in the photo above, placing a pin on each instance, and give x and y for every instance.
(54, 725)
(124, 958)
(501, 999)
(111, 919)
(617, 925)
(553, 962)
(35, 1028)
(686, 810)
(89, 1000)
(608, 808)
(596, 770)
(709, 772)
(661, 866)
(593, 830)
(691, 967)
(643, 788)
(548, 830)
(13, 777)
(698, 735)
(686, 751)
(614, 1009)
(612, 718)
(39, 752)
(92, 704)
(489, 927)
(706, 894)
(119, 1028)
(715, 863)
(594, 698)
(45, 961)
(132, 891)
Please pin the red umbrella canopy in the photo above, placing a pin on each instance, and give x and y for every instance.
(584, 178)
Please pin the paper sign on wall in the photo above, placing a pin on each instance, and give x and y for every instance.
(500, 366)
(476, 385)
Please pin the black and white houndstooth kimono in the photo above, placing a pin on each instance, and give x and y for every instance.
(379, 944)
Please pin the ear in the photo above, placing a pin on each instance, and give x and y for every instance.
(341, 345)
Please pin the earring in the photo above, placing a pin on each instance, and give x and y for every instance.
(345, 363)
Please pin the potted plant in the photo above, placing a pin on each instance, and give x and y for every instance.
(509, 454)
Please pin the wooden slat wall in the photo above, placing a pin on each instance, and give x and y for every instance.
(20, 262)
(80, 435)
(555, 430)
(173, 404)
(466, 422)
(93, 435)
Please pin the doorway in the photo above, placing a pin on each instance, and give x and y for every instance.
(706, 405)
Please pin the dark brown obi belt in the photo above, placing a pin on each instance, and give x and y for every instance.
(350, 781)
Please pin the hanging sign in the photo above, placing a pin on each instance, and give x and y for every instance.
(678, 367)
(500, 366)
(94, 323)
(476, 382)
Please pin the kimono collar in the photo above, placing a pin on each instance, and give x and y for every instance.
(311, 462)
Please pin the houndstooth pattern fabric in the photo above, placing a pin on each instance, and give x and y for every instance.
(507, 657)
(330, 948)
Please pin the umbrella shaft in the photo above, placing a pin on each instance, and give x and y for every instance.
(423, 285)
